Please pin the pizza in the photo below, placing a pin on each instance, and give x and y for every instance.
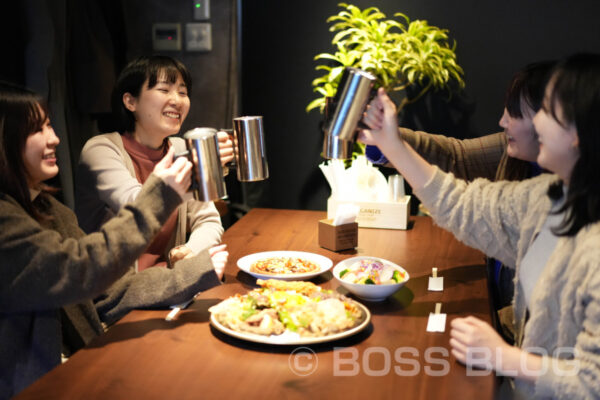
(283, 265)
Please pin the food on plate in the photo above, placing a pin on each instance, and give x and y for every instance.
(279, 306)
(283, 265)
(372, 272)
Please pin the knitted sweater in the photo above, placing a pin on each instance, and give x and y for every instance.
(106, 181)
(482, 157)
(502, 219)
(52, 269)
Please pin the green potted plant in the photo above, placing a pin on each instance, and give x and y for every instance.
(402, 54)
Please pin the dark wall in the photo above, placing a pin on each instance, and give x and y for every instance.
(494, 39)
(279, 41)
(72, 51)
(210, 97)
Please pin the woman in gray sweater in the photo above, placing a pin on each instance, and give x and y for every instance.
(548, 227)
(50, 270)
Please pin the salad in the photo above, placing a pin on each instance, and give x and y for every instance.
(372, 272)
(295, 306)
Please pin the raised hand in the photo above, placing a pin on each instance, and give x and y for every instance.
(225, 147)
(382, 119)
(177, 174)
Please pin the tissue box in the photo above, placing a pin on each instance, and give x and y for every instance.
(337, 237)
(385, 214)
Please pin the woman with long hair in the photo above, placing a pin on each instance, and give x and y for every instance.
(548, 227)
(50, 270)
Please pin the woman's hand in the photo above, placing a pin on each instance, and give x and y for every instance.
(177, 174)
(225, 147)
(179, 253)
(219, 256)
(382, 119)
(476, 343)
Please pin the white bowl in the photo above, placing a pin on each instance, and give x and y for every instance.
(369, 292)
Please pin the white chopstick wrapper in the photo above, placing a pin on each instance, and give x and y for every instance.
(175, 310)
(436, 284)
(437, 320)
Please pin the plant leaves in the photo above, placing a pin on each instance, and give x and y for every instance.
(399, 52)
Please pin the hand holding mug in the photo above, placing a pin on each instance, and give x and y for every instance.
(225, 147)
(177, 174)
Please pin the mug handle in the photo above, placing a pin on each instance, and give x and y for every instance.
(231, 164)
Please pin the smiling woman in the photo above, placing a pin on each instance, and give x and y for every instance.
(150, 103)
(50, 270)
(547, 227)
(40, 154)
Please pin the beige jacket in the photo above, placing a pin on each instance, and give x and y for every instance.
(105, 182)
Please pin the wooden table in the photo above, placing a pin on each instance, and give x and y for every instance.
(144, 356)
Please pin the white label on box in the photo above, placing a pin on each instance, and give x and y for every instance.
(389, 215)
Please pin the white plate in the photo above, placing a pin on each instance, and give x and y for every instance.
(292, 338)
(324, 264)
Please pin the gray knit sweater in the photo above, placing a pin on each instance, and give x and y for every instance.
(49, 273)
(502, 219)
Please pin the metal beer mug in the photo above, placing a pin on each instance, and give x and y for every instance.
(353, 93)
(207, 173)
(249, 149)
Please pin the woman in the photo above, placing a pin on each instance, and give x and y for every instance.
(509, 155)
(50, 270)
(150, 103)
(548, 227)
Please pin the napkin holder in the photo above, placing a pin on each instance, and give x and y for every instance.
(380, 214)
(337, 237)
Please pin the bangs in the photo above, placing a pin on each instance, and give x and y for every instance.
(512, 101)
(169, 70)
(562, 87)
(527, 88)
(37, 116)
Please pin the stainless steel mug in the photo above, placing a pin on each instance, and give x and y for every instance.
(207, 173)
(249, 149)
(352, 96)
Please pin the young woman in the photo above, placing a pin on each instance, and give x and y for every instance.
(150, 102)
(507, 155)
(50, 270)
(548, 227)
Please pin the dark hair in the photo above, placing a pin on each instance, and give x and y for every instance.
(22, 112)
(132, 79)
(528, 84)
(575, 87)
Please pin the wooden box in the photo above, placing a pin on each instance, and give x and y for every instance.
(337, 237)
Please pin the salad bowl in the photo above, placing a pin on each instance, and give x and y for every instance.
(370, 278)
